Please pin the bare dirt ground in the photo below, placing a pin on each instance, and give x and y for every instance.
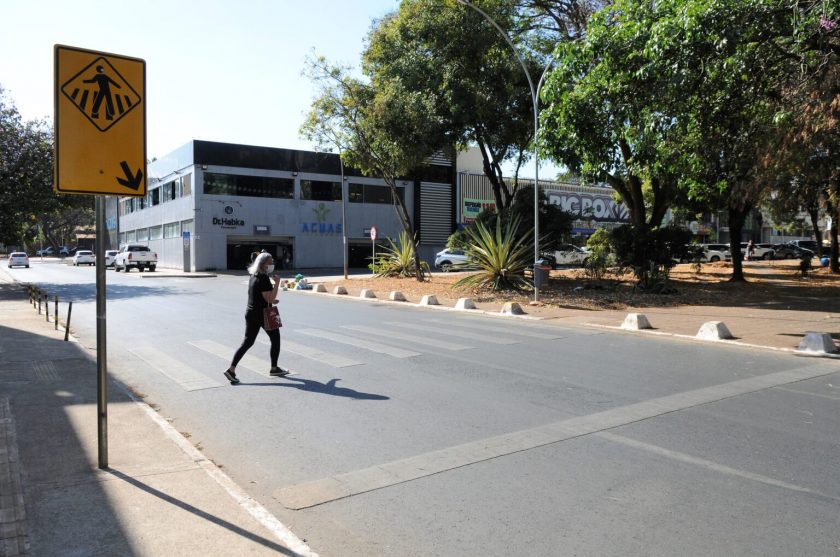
(768, 283)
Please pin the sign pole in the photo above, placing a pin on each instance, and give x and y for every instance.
(373, 247)
(101, 338)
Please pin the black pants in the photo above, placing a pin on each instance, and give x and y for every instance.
(252, 329)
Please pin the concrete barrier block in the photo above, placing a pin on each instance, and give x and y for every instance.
(367, 293)
(714, 330)
(429, 300)
(817, 343)
(464, 303)
(319, 288)
(396, 296)
(339, 290)
(512, 308)
(636, 322)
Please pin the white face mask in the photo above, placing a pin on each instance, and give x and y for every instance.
(270, 269)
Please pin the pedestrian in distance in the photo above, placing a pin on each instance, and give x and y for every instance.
(261, 294)
(750, 250)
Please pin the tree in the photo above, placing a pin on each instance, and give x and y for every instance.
(451, 55)
(609, 118)
(27, 200)
(383, 131)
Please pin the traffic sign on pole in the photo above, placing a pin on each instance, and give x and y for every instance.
(100, 123)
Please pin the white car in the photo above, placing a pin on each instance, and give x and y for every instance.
(568, 254)
(109, 257)
(83, 257)
(447, 259)
(713, 253)
(18, 259)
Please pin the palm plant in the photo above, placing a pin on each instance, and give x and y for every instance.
(397, 260)
(500, 256)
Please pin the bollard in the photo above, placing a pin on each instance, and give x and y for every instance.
(67, 325)
(39, 302)
(47, 305)
(56, 312)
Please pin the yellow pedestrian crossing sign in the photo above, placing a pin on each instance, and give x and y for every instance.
(100, 123)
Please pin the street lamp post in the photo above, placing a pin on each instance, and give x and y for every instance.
(535, 99)
(344, 193)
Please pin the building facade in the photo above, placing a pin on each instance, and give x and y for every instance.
(210, 205)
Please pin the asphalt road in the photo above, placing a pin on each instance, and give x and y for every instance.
(413, 432)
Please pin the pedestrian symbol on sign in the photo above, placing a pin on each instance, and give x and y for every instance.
(97, 85)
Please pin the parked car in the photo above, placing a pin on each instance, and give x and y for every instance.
(761, 251)
(448, 259)
(63, 251)
(792, 251)
(110, 255)
(712, 253)
(807, 244)
(18, 259)
(83, 257)
(137, 256)
(45, 252)
(569, 254)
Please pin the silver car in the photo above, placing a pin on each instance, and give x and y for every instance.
(448, 259)
(83, 257)
(18, 259)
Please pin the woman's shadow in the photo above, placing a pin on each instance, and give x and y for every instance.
(328, 388)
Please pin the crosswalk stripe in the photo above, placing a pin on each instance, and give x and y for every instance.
(182, 374)
(455, 333)
(390, 334)
(333, 360)
(359, 343)
(517, 330)
(258, 366)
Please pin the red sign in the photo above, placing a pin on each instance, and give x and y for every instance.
(372, 233)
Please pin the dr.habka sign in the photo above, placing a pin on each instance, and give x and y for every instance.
(100, 123)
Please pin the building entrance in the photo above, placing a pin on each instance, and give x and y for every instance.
(240, 254)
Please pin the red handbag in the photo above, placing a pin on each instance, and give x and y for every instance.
(271, 318)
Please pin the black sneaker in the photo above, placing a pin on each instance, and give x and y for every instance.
(278, 372)
(231, 376)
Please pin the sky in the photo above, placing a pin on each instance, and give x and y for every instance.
(217, 70)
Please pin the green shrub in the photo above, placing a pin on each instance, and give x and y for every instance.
(599, 258)
(501, 257)
(650, 253)
(397, 260)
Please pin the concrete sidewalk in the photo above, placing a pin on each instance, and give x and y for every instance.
(159, 496)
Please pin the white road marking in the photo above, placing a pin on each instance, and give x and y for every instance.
(820, 395)
(513, 330)
(339, 486)
(182, 374)
(389, 334)
(377, 347)
(258, 366)
(333, 360)
(458, 333)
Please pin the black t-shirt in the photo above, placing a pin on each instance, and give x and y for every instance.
(256, 303)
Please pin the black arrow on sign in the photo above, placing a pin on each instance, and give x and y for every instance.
(131, 181)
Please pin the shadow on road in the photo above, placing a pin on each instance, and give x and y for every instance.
(328, 388)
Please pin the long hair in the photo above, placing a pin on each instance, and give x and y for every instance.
(256, 266)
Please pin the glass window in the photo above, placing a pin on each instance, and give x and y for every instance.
(172, 230)
(131, 236)
(365, 193)
(248, 186)
(187, 226)
(187, 185)
(355, 193)
(320, 191)
(154, 195)
(142, 234)
(122, 237)
(155, 233)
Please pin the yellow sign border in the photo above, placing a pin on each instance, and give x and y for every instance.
(118, 190)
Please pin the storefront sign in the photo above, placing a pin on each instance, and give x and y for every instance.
(228, 223)
(590, 206)
(321, 226)
(473, 207)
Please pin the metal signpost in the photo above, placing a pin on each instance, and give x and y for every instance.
(373, 246)
(100, 149)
